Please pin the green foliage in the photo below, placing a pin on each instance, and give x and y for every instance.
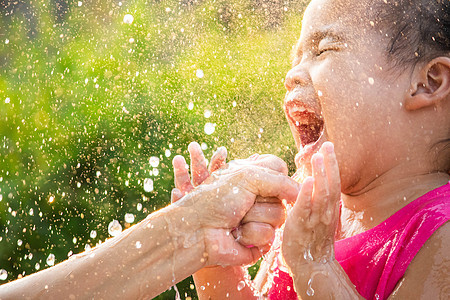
(86, 99)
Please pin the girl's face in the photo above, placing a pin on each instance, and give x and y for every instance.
(342, 89)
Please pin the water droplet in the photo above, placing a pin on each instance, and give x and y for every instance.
(80, 3)
(199, 73)
(207, 113)
(154, 161)
(19, 243)
(310, 290)
(204, 146)
(234, 103)
(114, 228)
(235, 190)
(128, 19)
(167, 153)
(93, 234)
(51, 199)
(7, 41)
(131, 40)
(139, 206)
(138, 245)
(129, 218)
(155, 172)
(148, 185)
(191, 106)
(50, 259)
(319, 93)
(241, 285)
(3, 274)
(210, 128)
(307, 255)
(7, 100)
(37, 266)
(371, 81)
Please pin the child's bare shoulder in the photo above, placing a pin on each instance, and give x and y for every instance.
(427, 275)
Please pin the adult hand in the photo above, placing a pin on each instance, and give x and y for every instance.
(241, 182)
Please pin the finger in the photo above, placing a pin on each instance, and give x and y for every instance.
(175, 195)
(218, 160)
(199, 171)
(254, 234)
(269, 213)
(267, 183)
(268, 161)
(321, 193)
(181, 174)
(302, 208)
(332, 170)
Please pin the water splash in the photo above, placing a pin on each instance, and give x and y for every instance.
(310, 290)
(210, 128)
(129, 218)
(154, 161)
(199, 73)
(50, 259)
(114, 228)
(307, 254)
(128, 19)
(138, 245)
(3, 274)
(148, 185)
(241, 285)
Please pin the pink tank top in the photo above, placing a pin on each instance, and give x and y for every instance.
(376, 259)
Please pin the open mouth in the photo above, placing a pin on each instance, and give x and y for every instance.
(307, 123)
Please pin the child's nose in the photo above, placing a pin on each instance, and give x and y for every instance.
(295, 77)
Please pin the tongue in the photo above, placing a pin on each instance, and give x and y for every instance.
(309, 133)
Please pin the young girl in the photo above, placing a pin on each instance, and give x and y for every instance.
(373, 78)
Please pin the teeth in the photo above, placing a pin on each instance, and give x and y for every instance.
(301, 109)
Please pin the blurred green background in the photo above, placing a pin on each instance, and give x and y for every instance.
(96, 97)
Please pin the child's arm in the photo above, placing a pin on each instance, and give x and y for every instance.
(308, 238)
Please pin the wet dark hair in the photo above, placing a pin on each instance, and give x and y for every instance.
(419, 30)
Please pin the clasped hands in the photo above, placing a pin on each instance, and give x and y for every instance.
(240, 204)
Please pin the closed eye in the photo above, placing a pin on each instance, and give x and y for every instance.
(325, 50)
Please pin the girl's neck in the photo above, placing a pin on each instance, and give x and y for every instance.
(382, 198)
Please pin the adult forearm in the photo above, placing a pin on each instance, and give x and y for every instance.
(140, 263)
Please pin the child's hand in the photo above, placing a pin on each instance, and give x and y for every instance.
(311, 225)
(200, 171)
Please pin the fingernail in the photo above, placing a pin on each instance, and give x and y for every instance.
(329, 147)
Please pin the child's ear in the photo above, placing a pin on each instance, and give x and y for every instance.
(431, 85)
